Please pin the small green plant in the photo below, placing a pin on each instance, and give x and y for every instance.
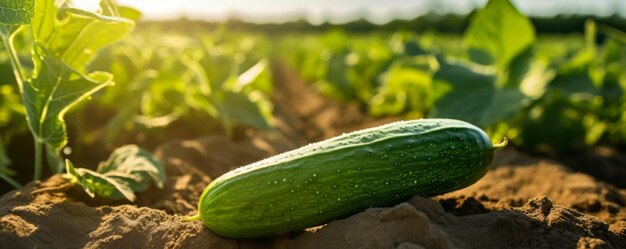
(63, 41)
(207, 80)
(129, 169)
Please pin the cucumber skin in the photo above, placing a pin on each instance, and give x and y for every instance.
(338, 177)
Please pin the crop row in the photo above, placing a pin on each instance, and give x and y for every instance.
(551, 94)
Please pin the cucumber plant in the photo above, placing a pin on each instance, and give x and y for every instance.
(375, 167)
(64, 41)
(129, 169)
(205, 80)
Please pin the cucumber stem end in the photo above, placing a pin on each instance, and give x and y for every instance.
(501, 144)
(192, 218)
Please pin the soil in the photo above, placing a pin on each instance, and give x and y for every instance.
(522, 202)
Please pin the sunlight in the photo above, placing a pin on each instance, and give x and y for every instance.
(86, 4)
(340, 11)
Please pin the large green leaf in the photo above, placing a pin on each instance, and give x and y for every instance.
(498, 33)
(77, 37)
(128, 170)
(63, 47)
(81, 34)
(47, 98)
(14, 12)
(44, 20)
(473, 96)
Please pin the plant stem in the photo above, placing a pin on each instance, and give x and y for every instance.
(14, 58)
(38, 162)
(19, 78)
(195, 217)
(53, 189)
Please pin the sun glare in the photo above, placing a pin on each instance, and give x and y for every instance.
(339, 11)
(86, 4)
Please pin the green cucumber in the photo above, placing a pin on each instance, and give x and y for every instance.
(335, 178)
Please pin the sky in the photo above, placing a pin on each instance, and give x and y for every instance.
(337, 11)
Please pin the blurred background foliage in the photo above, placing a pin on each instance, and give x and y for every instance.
(552, 85)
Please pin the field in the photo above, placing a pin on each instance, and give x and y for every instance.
(77, 86)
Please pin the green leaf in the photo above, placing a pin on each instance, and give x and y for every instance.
(573, 82)
(473, 96)
(577, 73)
(15, 12)
(109, 8)
(44, 20)
(78, 37)
(5, 30)
(253, 78)
(52, 93)
(238, 99)
(246, 108)
(338, 85)
(132, 162)
(405, 89)
(498, 33)
(128, 170)
(63, 47)
(95, 183)
(554, 124)
(129, 13)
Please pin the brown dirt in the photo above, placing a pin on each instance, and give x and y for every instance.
(523, 202)
(518, 178)
(55, 220)
(423, 223)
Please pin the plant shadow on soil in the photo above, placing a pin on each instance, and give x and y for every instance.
(523, 202)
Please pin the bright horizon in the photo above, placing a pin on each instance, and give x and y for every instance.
(331, 10)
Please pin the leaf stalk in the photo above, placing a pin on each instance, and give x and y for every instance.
(38, 158)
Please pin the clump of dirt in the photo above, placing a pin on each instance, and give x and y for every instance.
(607, 164)
(54, 220)
(522, 202)
(524, 177)
(423, 223)
(57, 220)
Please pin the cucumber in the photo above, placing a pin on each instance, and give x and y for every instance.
(335, 178)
